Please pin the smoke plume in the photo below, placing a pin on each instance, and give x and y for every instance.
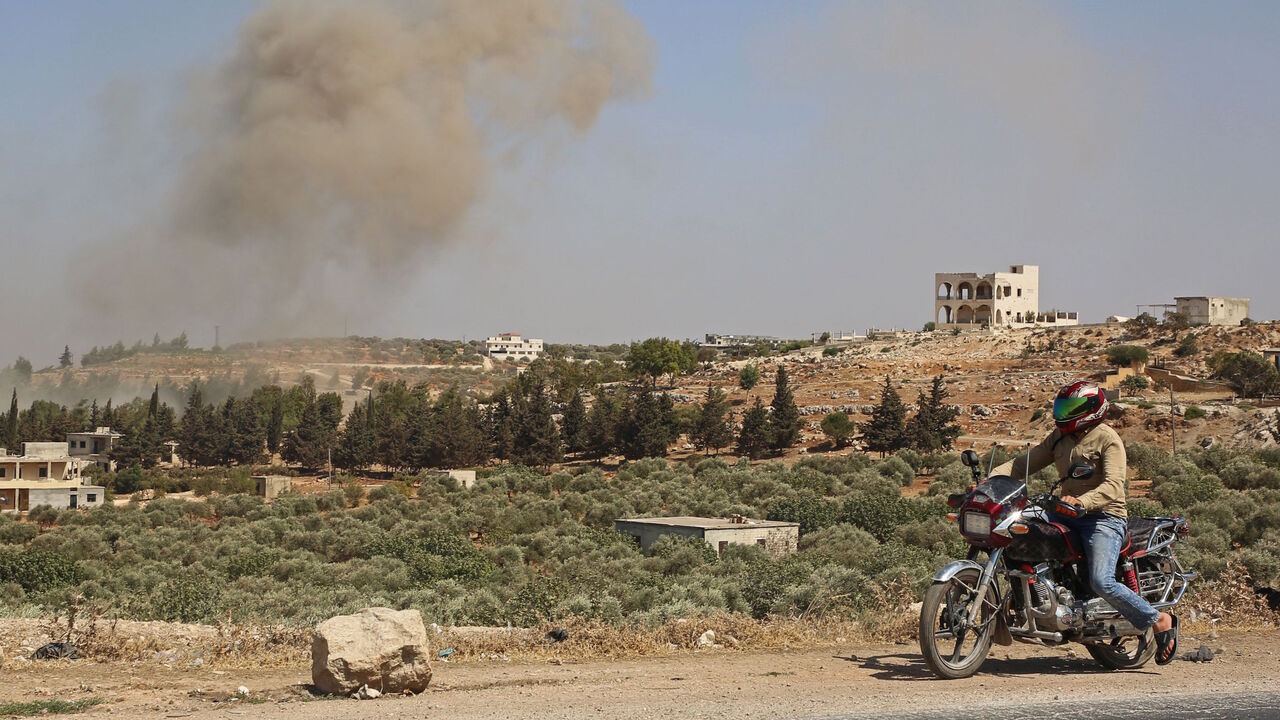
(340, 144)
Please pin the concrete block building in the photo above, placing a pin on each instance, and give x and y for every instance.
(512, 346)
(778, 538)
(95, 447)
(999, 299)
(44, 474)
(271, 486)
(1205, 310)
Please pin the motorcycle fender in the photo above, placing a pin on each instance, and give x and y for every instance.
(1002, 636)
(948, 572)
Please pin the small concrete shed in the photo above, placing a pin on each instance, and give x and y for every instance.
(272, 486)
(778, 538)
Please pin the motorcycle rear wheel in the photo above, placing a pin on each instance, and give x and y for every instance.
(947, 652)
(1126, 653)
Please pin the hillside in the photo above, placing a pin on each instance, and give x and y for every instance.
(998, 379)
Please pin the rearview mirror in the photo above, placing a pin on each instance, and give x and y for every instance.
(1080, 471)
(969, 458)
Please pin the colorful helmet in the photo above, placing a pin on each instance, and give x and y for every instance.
(1079, 406)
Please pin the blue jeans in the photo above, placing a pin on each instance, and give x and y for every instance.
(1102, 536)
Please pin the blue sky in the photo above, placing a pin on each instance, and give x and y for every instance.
(796, 167)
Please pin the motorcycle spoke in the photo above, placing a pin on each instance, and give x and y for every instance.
(955, 654)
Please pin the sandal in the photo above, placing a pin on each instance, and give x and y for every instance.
(1167, 643)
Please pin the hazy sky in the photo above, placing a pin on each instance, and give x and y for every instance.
(792, 167)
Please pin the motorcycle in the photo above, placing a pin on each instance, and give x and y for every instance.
(1033, 586)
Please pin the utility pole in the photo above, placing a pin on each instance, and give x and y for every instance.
(1173, 423)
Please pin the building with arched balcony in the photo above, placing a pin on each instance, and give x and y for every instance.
(1000, 299)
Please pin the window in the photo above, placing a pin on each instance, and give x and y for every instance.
(91, 497)
(44, 472)
(1019, 292)
(81, 444)
(721, 546)
(761, 542)
(3, 471)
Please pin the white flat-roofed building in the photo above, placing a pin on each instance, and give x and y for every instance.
(512, 346)
(776, 537)
(44, 474)
(1213, 310)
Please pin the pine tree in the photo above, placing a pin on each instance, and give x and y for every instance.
(601, 426)
(275, 426)
(933, 427)
(572, 424)
(66, 360)
(784, 421)
(753, 438)
(501, 422)
(108, 414)
(712, 431)
(451, 434)
(94, 416)
(355, 446)
(198, 431)
(942, 415)
(537, 440)
(645, 431)
(11, 424)
(886, 432)
(308, 444)
(919, 433)
(247, 437)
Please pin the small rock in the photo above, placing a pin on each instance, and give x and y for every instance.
(707, 639)
(242, 691)
(1202, 655)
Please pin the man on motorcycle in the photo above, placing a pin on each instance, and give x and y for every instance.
(1081, 436)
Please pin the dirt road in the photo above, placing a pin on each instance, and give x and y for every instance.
(837, 682)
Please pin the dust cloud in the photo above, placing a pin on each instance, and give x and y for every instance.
(342, 145)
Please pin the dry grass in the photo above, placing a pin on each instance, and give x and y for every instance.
(1229, 602)
(99, 635)
(593, 640)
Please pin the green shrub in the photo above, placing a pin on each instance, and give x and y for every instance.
(1194, 412)
(191, 596)
(1126, 355)
(38, 570)
(879, 515)
(807, 509)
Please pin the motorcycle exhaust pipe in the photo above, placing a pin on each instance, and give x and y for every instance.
(1038, 634)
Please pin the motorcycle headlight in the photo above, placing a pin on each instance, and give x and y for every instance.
(973, 523)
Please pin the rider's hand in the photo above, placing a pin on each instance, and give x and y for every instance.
(1071, 500)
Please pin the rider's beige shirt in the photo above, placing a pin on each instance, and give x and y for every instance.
(1099, 446)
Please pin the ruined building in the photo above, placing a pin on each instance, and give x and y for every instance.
(1000, 299)
(1213, 310)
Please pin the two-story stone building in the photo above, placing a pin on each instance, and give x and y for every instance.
(44, 474)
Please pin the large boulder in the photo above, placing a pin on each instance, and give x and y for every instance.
(382, 648)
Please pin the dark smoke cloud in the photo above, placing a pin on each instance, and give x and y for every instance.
(340, 144)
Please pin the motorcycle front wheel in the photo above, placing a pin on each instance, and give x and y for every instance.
(951, 647)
